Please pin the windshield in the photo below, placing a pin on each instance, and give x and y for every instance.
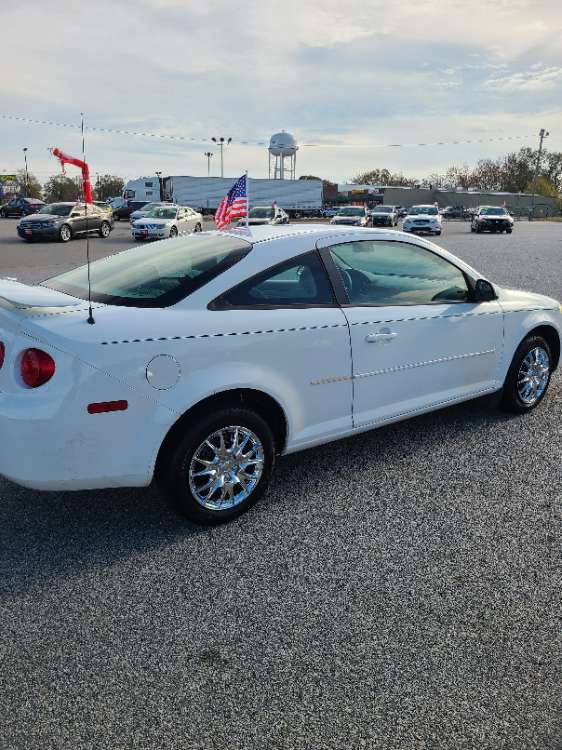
(261, 213)
(149, 207)
(57, 209)
(493, 211)
(162, 213)
(383, 209)
(431, 210)
(351, 211)
(149, 277)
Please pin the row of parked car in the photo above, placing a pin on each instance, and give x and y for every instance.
(426, 219)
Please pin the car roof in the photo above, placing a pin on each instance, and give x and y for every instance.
(267, 232)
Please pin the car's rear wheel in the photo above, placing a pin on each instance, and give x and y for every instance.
(105, 229)
(173, 232)
(221, 466)
(528, 377)
(197, 227)
(508, 231)
(65, 233)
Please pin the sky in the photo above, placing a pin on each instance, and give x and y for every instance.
(351, 77)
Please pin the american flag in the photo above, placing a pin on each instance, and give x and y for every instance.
(234, 205)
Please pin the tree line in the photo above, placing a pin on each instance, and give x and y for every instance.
(63, 188)
(512, 173)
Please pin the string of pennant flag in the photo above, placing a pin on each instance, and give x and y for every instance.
(249, 142)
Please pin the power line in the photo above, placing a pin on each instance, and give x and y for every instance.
(194, 139)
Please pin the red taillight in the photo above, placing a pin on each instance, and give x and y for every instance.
(2, 353)
(37, 367)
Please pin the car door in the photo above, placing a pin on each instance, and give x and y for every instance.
(94, 218)
(78, 219)
(182, 221)
(418, 341)
(303, 339)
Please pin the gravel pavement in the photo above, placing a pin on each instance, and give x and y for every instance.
(400, 589)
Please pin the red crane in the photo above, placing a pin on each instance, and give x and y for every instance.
(64, 159)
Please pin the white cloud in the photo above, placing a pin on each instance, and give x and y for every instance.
(359, 71)
(538, 78)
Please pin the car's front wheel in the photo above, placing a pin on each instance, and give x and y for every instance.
(221, 466)
(173, 232)
(528, 377)
(65, 233)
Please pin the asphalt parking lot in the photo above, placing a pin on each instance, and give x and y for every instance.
(400, 589)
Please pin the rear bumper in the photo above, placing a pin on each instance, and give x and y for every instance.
(49, 441)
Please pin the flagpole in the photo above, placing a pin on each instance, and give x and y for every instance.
(247, 200)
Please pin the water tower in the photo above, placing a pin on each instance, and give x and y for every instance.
(283, 151)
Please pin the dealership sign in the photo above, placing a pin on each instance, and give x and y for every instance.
(8, 183)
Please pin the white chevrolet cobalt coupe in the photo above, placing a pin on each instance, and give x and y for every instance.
(210, 354)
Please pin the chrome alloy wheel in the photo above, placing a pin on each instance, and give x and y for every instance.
(226, 468)
(532, 378)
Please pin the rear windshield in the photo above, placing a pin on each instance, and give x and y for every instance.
(156, 275)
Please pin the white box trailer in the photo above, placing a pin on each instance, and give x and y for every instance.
(207, 192)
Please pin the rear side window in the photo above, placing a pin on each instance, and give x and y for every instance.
(156, 275)
(300, 281)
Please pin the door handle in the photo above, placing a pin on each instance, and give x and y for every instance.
(380, 338)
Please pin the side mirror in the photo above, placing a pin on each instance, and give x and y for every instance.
(484, 291)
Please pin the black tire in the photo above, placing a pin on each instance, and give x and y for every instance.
(65, 233)
(508, 231)
(197, 228)
(104, 230)
(511, 400)
(472, 228)
(173, 232)
(174, 469)
(116, 218)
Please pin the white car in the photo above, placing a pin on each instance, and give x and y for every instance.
(353, 216)
(140, 213)
(167, 221)
(423, 219)
(210, 354)
(266, 215)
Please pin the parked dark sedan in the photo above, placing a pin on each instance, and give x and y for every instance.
(63, 221)
(21, 207)
(122, 209)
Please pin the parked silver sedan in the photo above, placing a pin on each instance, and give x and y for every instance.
(167, 221)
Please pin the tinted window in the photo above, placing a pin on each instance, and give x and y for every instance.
(57, 209)
(395, 273)
(300, 281)
(148, 277)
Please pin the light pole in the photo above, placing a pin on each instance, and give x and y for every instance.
(542, 135)
(159, 174)
(208, 154)
(26, 173)
(221, 142)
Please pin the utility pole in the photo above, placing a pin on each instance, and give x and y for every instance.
(542, 135)
(208, 154)
(26, 173)
(222, 142)
(159, 175)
